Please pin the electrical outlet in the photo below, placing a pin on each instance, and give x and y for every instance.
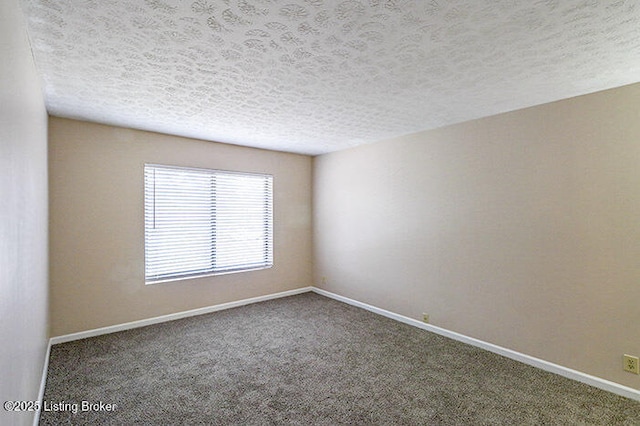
(324, 280)
(631, 364)
(425, 317)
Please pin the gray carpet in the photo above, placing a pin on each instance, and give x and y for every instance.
(306, 360)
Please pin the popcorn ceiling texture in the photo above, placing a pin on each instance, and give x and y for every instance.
(315, 76)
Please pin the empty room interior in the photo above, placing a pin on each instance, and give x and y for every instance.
(416, 212)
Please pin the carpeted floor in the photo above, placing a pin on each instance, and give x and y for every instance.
(308, 360)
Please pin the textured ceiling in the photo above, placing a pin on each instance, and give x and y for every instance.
(314, 76)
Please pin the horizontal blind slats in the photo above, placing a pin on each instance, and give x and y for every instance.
(206, 221)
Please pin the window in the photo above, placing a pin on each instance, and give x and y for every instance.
(203, 222)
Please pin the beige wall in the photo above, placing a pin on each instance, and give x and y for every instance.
(97, 234)
(23, 218)
(521, 229)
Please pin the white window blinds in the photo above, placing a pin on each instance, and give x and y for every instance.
(204, 222)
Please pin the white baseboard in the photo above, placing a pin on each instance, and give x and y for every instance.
(526, 359)
(175, 316)
(142, 323)
(43, 384)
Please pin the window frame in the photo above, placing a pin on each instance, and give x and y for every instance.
(267, 214)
